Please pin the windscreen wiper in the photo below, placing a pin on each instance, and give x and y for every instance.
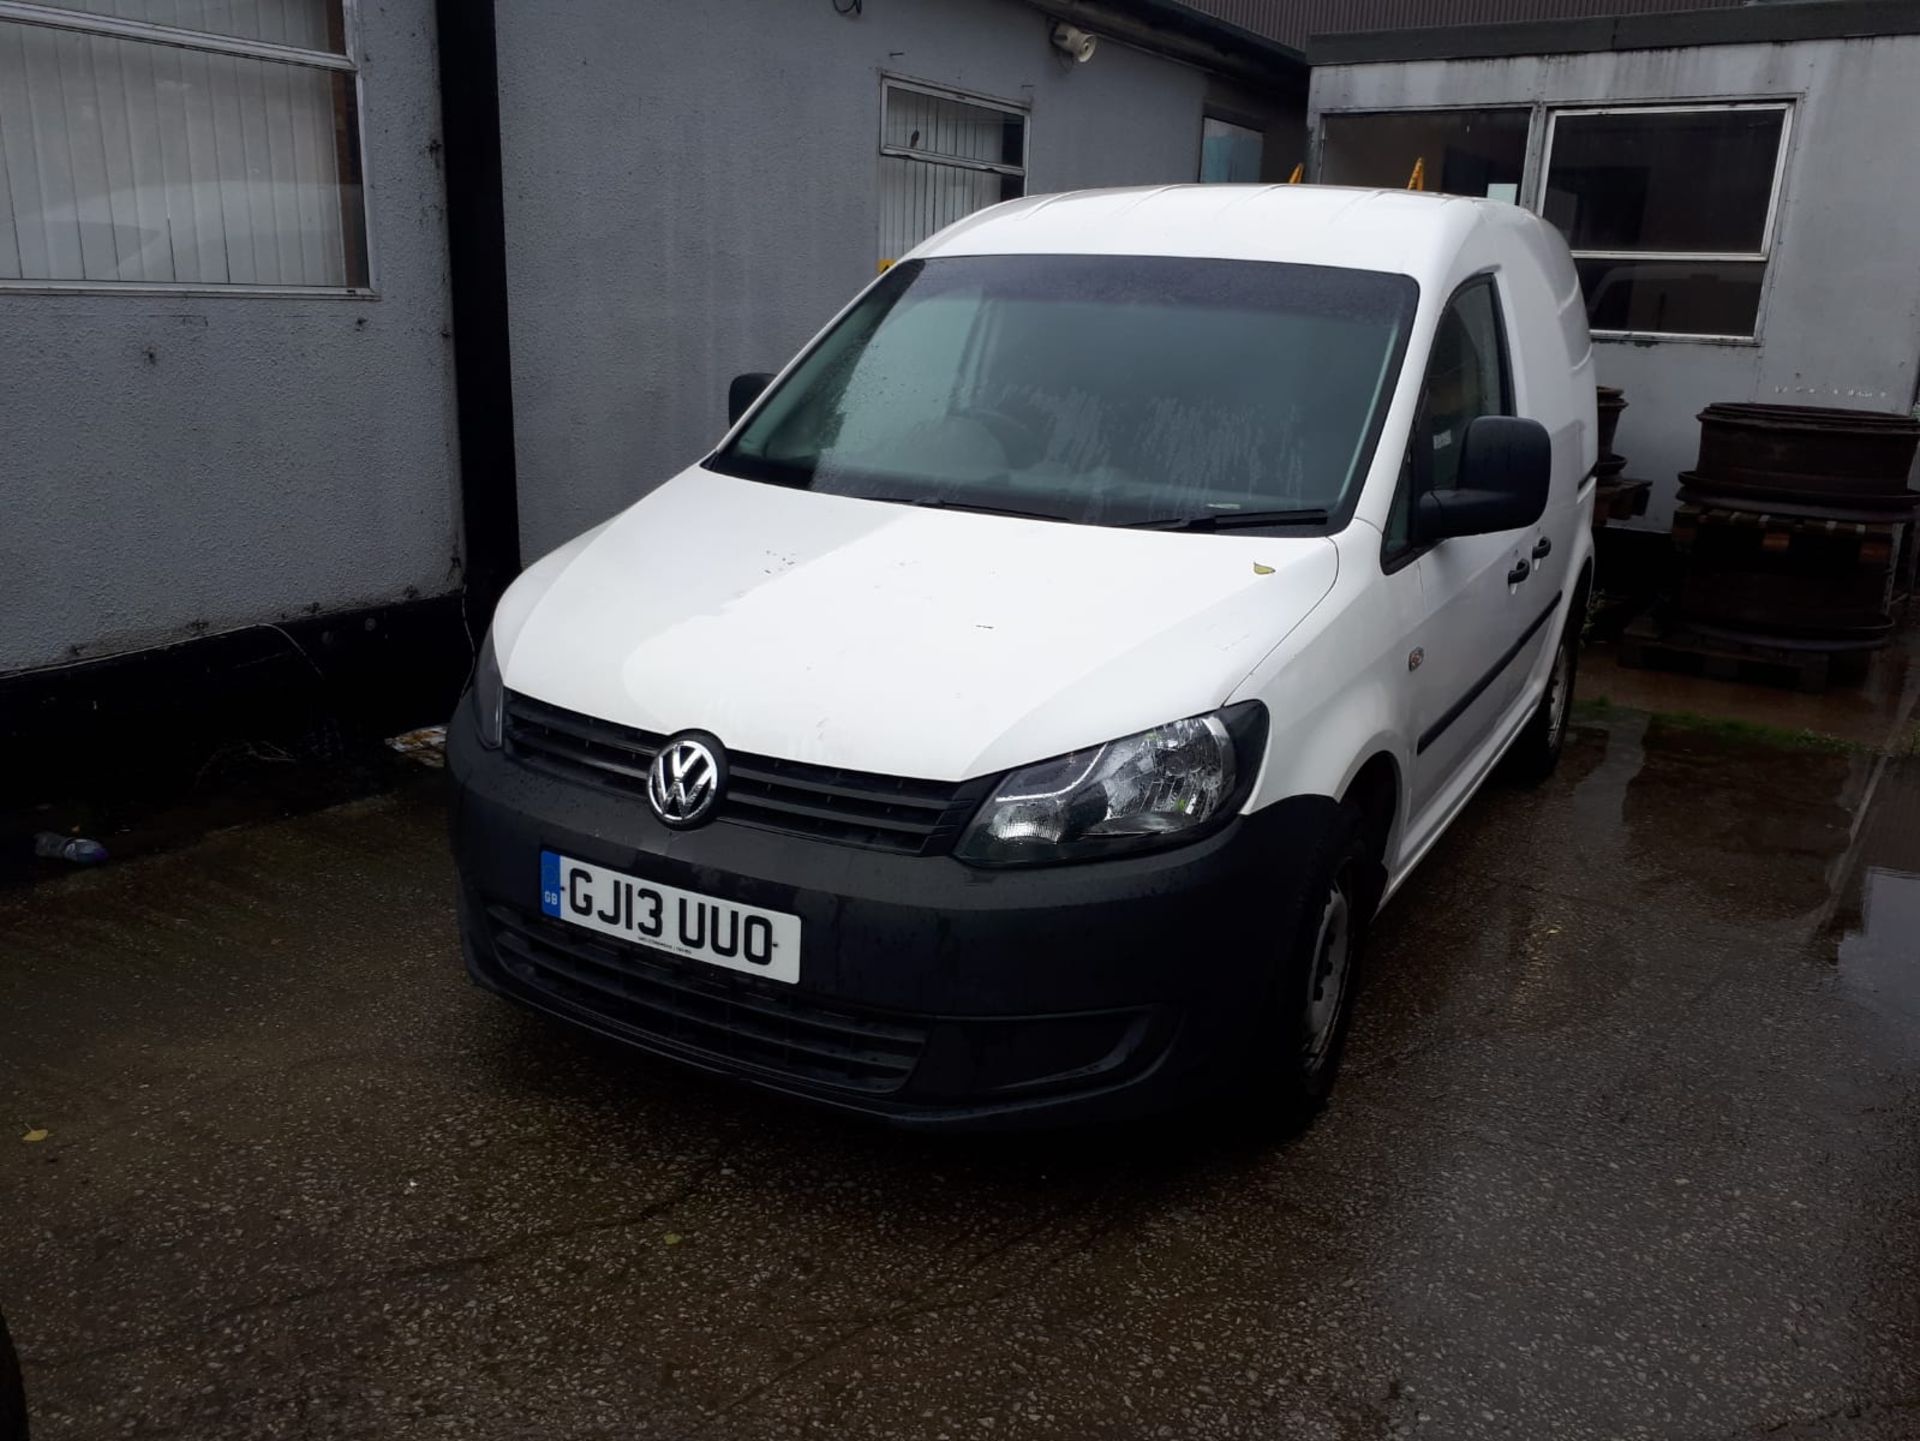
(1233, 520)
(931, 502)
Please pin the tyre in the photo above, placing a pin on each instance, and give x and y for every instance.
(13, 1398)
(1303, 1026)
(1537, 750)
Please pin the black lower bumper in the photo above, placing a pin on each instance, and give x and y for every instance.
(930, 992)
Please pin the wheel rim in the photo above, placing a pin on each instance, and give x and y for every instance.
(1327, 982)
(1557, 688)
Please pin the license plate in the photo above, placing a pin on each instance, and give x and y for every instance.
(701, 928)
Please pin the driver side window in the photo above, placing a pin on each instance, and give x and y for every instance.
(1466, 378)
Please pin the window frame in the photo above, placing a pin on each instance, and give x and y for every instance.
(1763, 256)
(1239, 121)
(346, 62)
(1416, 466)
(1317, 141)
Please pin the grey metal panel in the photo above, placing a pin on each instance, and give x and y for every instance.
(1728, 25)
(1293, 22)
(1181, 32)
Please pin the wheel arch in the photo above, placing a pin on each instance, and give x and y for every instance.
(1377, 791)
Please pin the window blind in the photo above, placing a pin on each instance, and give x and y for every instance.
(159, 161)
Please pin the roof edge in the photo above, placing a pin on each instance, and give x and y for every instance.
(1753, 24)
(1180, 32)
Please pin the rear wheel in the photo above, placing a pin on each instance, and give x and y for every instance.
(1537, 751)
(1304, 1022)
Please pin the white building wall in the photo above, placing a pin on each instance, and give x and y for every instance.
(178, 463)
(1840, 313)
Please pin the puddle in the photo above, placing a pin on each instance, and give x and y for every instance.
(1875, 926)
(1605, 771)
(1721, 824)
(1867, 713)
(1880, 959)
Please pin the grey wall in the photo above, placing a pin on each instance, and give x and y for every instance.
(1840, 315)
(692, 190)
(1294, 22)
(174, 464)
(1280, 115)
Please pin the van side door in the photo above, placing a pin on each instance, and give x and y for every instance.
(1461, 681)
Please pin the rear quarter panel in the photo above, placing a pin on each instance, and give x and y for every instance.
(1553, 372)
(1553, 365)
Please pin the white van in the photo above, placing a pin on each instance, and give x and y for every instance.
(1023, 711)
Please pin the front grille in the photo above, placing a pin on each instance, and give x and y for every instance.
(884, 813)
(653, 997)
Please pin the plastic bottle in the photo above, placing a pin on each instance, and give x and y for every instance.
(78, 849)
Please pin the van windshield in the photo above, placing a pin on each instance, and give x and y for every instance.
(1105, 390)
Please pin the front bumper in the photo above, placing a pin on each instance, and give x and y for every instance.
(930, 992)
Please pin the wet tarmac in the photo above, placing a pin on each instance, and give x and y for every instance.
(1628, 1145)
(1878, 711)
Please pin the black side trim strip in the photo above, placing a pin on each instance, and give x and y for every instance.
(1459, 708)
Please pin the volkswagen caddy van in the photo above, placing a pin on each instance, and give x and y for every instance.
(1021, 714)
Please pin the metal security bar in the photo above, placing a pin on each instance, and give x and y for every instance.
(943, 155)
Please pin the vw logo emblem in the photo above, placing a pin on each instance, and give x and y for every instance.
(685, 780)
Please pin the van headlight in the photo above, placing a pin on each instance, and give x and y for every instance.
(489, 696)
(1174, 783)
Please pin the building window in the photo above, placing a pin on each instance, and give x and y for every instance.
(944, 155)
(1460, 152)
(1669, 212)
(149, 142)
(1229, 152)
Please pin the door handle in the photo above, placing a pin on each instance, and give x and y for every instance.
(1543, 548)
(1521, 570)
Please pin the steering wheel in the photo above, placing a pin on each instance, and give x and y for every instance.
(1021, 440)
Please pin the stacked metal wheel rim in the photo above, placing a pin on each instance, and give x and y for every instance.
(1615, 497)
(1792, 522)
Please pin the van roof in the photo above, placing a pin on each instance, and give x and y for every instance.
(1408, 232)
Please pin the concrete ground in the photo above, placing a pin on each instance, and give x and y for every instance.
(1628, 1145)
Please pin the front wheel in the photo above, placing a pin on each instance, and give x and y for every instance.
(13, 1400)
(1304, 1020)
(1537, 750)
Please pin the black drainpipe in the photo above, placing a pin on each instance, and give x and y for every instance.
(477, 257)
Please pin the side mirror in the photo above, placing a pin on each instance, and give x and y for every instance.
(743, 391)
(1506, 467)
